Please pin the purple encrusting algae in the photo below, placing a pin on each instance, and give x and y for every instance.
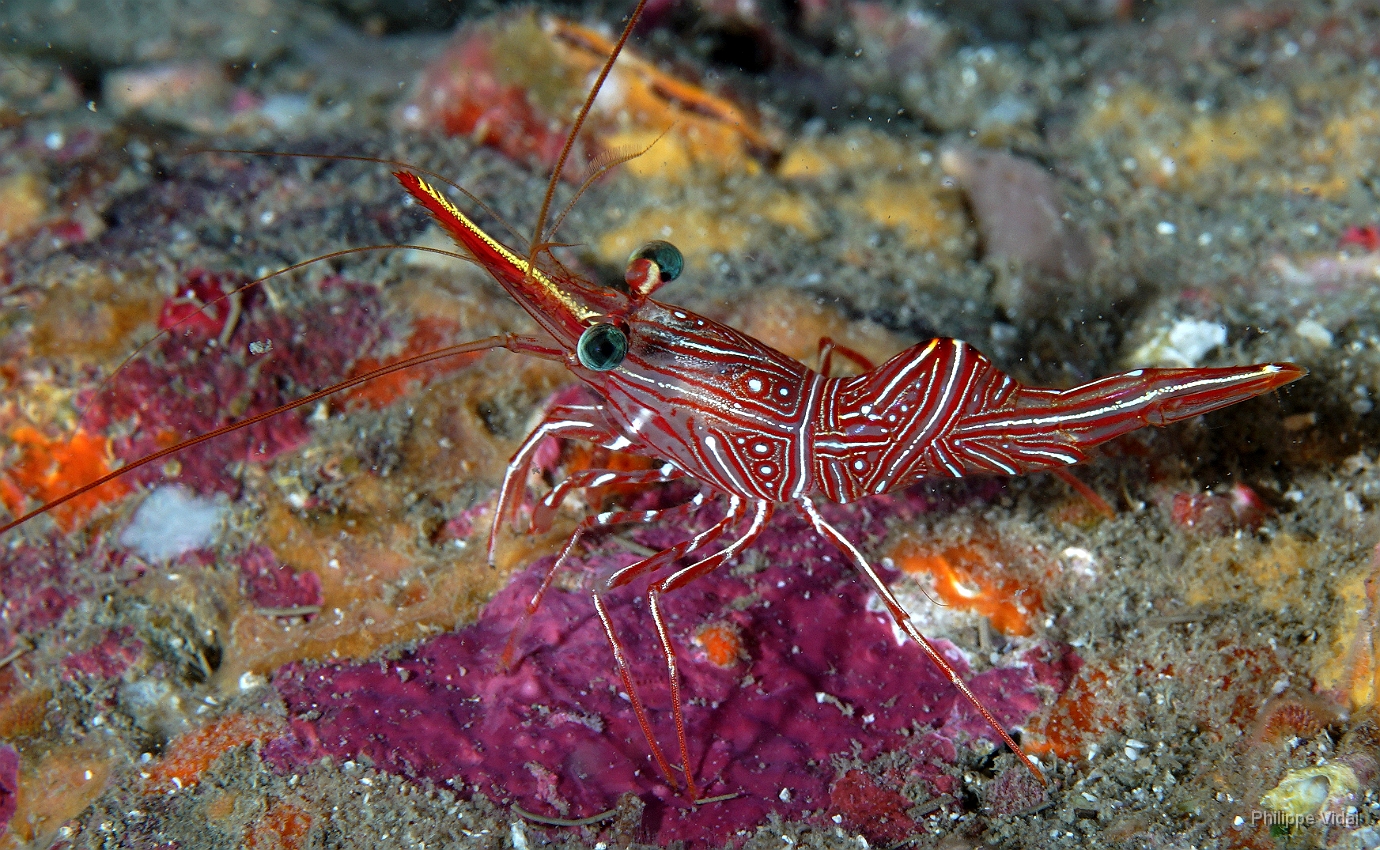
(555, 736)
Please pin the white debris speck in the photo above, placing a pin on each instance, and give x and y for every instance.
(1195, 338)
(785, 795)
(519, 835)
(1166, 228)
(1314, 332)
(1182, 343)
(261, 346)
(284, 111)
(252, 681)
(171, 522)
(1079, 561)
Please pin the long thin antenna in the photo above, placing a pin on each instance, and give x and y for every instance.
(535, 245)
(512, 342)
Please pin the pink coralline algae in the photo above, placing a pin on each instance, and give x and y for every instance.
(221, 365)
(40, 582)
(271, 585)
(109, 658)
(824, 677)
(9, 784)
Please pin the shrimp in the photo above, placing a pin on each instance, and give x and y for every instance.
(755, 429)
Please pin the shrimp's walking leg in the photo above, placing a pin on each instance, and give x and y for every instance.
(827, 348)
(545, 510)
(902, 619)
(736, 511)
(567, 421)
(761, 513)
(1093, 498)
(620, 660)
(589, 523)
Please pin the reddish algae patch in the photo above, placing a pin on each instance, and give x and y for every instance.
(189, 755)
(284, 826)
(971, 577)
(49, 467)
(1081, 715)
(877, 812)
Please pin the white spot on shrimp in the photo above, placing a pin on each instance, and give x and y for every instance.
(784, 392)
(865, 409)
(860, 465)
(679, 315)
(755, 384)
(765, 469)
(761, 448)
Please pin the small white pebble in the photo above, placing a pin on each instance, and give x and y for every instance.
(1314, 332)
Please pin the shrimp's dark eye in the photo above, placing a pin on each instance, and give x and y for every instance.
(602, 347)
(666, 256)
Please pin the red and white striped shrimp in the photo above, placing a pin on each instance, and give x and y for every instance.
(763, 431)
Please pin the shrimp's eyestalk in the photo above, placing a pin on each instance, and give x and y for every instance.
(651, 266)
(565, 305)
